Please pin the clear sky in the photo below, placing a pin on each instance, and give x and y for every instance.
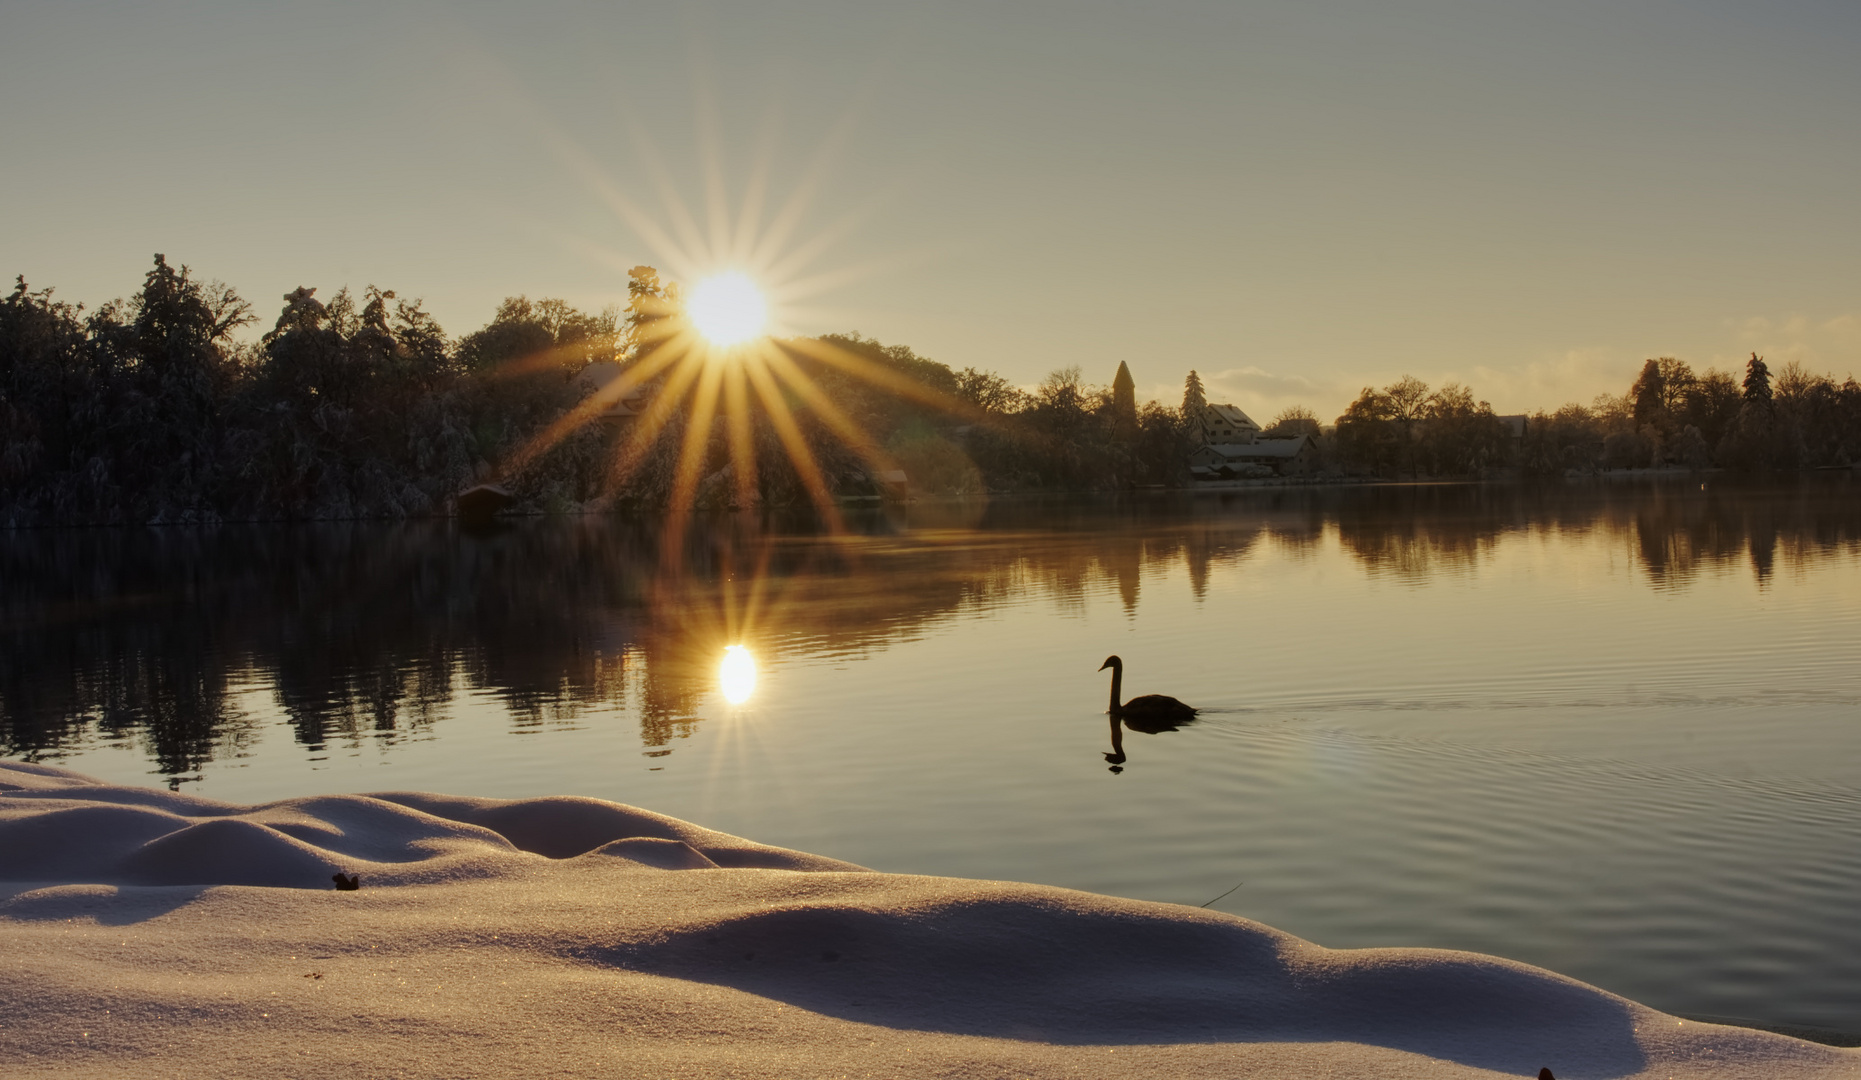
(1296, 199)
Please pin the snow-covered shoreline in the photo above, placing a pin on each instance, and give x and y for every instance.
(175, 935)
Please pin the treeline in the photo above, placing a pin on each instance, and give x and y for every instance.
(1669, 417)
(151, 410)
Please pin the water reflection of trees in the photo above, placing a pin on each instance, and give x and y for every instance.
(1677, 529)
(187, 641)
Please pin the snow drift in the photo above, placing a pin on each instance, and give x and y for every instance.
(150, 930)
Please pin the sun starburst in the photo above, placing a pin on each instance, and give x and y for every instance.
(727, 309)
(721, 393)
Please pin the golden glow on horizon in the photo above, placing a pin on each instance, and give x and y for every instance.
(737, 674)
(720, 365)
(728, 309)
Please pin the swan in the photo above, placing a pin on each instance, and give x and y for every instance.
(1147, 707)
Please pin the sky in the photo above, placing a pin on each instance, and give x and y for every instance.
(1294, 199)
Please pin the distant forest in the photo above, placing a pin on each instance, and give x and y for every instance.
(148, 410)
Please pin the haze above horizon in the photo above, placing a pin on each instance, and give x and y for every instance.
(1295, 202)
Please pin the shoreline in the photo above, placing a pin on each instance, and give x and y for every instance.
(164, 932)
(12, 523)
(1824, 1036)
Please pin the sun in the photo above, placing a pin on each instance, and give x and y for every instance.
(728, 309)
(737, 674)
(719, 366)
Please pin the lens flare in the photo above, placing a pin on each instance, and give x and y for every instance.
(737, 674)
(716, 367)
(727, 309)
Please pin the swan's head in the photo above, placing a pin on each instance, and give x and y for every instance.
(1112, 662)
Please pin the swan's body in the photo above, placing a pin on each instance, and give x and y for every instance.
(1147, 707)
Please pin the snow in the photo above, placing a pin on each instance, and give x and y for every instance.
(155, 932)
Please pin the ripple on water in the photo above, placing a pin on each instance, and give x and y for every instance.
(1393, 840)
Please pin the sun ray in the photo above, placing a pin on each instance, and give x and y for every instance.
(807, 469)
(794, 210)
(691, 247)
(755, 193)
(742, 441)
(711, 164)
(659, 413)
(759, 595)
(692, 451)
(861, 368)
(585, 410)
(796, 286)
(856, 437)
(800, 256)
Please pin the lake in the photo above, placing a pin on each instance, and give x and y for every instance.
(1609, 728)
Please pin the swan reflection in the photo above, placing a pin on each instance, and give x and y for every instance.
(1142, 725)
(737, 674)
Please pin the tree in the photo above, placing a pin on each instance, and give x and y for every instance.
(1462, 436)
(1292, 421)
(1570, 438)
(536, 335)
(1407, 401)
(1648, 393)
(1690, 449)
(1194, 400)
(1063, 391)
(655, 312)
(1757, 382)
(1677, 381)
(988, 391)
(1367, 434)
(177, 326)
(1795, 384)
(1712, 405)
(46, 384)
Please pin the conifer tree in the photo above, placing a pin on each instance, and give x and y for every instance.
(1758, 381)
(1194, 400)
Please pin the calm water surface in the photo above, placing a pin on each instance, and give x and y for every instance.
(1609, 729)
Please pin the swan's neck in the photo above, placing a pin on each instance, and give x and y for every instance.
(1117, 684)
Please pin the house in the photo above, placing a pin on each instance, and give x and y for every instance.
(1227, 424)
(893, 484)
(596, 377)
(1258, 459)
(482, 502)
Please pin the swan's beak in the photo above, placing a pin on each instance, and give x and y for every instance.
(1104, 665)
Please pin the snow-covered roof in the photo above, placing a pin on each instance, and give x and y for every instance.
(1234, 416)
(1264, 450)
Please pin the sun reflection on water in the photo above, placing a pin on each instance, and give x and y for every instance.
(737, 674)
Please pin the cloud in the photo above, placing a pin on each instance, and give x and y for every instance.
(1555, 379)
(1262, 394)
(1829, 346)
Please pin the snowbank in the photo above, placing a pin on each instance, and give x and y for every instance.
(146, 931)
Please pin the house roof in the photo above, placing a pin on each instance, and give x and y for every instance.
(598, 375)
(1234, 416)
(1264, 450)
